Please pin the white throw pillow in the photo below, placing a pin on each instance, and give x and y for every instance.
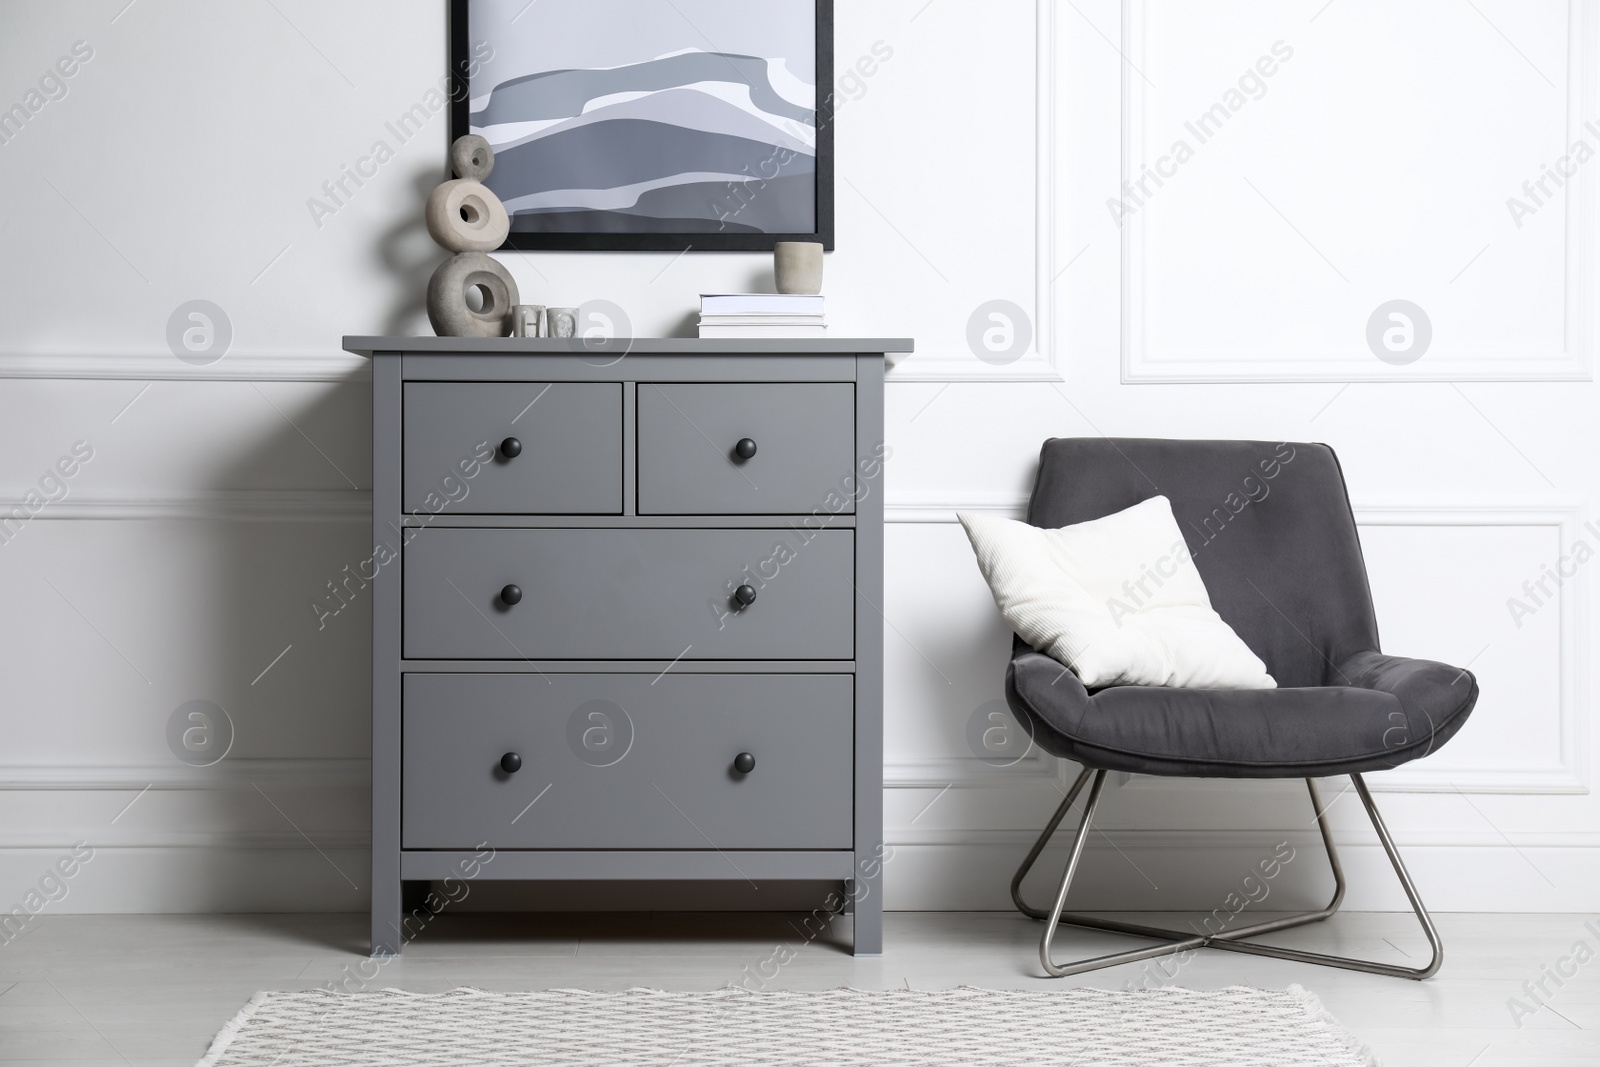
(1116, 599)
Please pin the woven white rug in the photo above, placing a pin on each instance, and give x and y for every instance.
(1235, 1027)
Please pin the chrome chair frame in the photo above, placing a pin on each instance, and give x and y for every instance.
(1229, 940)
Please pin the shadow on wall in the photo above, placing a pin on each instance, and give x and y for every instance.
(410, 257)
(245, 635)
(314, 702)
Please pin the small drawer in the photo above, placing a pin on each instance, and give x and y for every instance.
(689, 449)
(622, 762)
(629, 594)
(567, 440)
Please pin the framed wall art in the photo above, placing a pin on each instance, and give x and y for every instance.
(651, 125)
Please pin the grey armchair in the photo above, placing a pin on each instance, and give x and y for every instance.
(1271, 532)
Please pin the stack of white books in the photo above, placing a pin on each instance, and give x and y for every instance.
(750, 315)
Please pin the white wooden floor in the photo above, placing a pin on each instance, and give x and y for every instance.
(145, 990)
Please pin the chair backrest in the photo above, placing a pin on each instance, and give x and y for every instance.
(1269, 526)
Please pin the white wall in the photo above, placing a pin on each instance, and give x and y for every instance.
(975, 165)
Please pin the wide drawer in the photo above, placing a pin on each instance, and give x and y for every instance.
(627, 761)
(568, 445)
(689, 461)
(629, 594)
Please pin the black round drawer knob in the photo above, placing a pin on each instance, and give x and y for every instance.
(511, 763)
(511, 594)
(745, 448)
(744, 763)
(511, 448)
(745, 595)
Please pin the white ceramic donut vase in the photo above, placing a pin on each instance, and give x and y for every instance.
(464, 216)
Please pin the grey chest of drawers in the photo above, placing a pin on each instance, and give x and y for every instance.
(626, 617)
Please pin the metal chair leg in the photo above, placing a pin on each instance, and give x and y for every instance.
(1229, 940)
(1096, 923)
(1346, 962)
(1054, 921)
(1327, 846)
(1044, 839)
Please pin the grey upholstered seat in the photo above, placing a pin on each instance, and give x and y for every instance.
(1391, 711)
(1271, 532)
(1270, 529)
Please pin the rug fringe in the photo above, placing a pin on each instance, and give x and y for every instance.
(1317, 1012)
(225, 1036)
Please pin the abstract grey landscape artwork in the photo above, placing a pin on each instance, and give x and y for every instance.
(641, 119)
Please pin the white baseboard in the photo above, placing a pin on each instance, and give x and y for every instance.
(193, 881)
(235, 773)
(1173, 877)
(967, 877)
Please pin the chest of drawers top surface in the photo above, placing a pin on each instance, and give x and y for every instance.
(645, 346)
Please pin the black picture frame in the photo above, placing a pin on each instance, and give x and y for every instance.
(461, 39)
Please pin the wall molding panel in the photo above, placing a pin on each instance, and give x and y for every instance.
(942, 509)
(264, 505)
(1042, 363)
(1567, 773)
(939, 772)
(1241, 360)
(233, 367)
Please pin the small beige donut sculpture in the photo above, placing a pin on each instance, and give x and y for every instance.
(471, 157)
